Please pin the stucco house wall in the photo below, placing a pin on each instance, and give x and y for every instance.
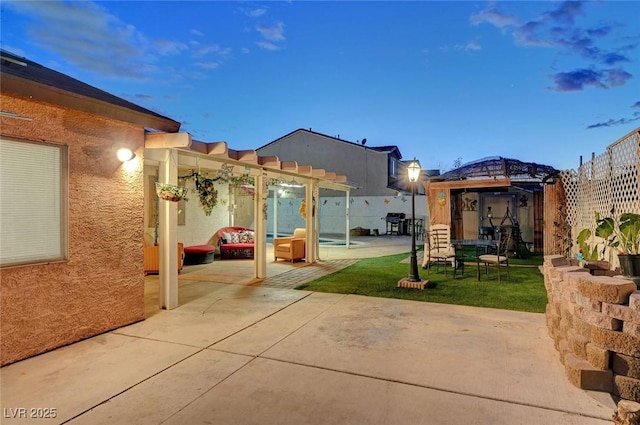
(362, 165)
(101, 286)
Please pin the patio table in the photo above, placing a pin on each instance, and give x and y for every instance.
(482, 246)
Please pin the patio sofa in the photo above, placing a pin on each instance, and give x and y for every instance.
(235, 242)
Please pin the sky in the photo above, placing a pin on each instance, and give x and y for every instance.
(447, 82)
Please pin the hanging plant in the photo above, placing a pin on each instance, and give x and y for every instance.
(207, 192)
(244, 182)
(170, 192)
(206, 189)
(303, 210)
(248, 190)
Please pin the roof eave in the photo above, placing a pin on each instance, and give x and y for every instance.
(32, 90)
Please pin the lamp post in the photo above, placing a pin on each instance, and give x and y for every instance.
(413, 174)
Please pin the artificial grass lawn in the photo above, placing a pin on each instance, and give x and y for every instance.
(378, 277)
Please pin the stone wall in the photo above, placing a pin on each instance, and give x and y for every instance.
(595, 324)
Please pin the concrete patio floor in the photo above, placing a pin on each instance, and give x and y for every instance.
(249, 354)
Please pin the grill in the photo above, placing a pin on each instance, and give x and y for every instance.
(394, 222)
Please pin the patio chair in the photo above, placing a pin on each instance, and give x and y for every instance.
(291, 247)
(152, 256)
(438, 247)
(497, 256)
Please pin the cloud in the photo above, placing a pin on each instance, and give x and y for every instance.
(612, 122)
(272, 32)
(268, 45)
(614, 58)
(202, 51)
(617, 77)
(196, 32)
(494, 17)
(207, 65)
(15, 50)
(566, 12)
(88, 36)
(558, 29)
(255, 13)
(578, 79)
(471, 46)
(166, 47)
(140, 96)
(636, 105)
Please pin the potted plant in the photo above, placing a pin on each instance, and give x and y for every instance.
(623, 234)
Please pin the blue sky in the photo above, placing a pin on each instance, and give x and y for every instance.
(444, 81)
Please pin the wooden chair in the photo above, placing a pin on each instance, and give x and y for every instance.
(291, 247)
(438, 247)
(152, 256)
(497, 257)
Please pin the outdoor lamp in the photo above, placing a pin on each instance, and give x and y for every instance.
(413, 172)
(489, 213)
(125, 154)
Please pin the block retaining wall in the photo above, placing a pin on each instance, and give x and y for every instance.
(595, 324)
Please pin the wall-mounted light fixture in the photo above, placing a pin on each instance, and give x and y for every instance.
(489, 213)
(125, 154)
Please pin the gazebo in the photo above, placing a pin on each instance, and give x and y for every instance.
(492, 192)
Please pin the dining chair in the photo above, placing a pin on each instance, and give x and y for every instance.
(438, 247)
(497, 256)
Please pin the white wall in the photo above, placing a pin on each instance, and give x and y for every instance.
(198, 228)
(366, 212)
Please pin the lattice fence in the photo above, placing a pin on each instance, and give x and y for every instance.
(607, 184)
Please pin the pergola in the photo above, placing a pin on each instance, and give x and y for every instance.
(171, 151)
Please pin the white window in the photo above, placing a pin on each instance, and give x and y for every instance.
(393, 167)
(33, 202)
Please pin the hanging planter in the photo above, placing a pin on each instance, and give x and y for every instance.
(170, 192)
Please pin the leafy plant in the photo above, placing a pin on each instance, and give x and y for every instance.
(622, 234)
(170, 192)
(588, 253)
(207, 192)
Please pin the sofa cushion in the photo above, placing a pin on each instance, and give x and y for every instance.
(197, 249)
(246, 237)
(239, 245)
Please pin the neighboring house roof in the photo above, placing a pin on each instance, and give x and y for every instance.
(25, 78)
(389, 149)
(498, 167)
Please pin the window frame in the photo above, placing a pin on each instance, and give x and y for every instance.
(393, 167)
(62, 254)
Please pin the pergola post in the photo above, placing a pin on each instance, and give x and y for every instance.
(310, 243)
(347, 235)
(260, 228)
(168, 235)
